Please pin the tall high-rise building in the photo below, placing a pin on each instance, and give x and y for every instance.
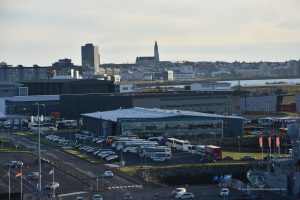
(156, 54)
(90, 57)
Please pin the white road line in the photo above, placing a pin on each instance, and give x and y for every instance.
(71, 194)
(125, 186)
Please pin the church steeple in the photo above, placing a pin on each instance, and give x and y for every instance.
(156, 54)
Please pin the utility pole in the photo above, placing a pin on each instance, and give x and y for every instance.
(39, 151)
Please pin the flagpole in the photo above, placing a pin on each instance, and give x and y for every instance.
(262, 148)
(21, 184)
(53, 182)
(9, 183)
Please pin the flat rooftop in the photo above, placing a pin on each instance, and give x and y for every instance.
(138, 112)
(33, 98)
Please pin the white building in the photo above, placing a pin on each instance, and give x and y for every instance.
(214, 86)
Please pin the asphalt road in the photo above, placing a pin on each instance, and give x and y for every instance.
(77, 175)
(29, 166)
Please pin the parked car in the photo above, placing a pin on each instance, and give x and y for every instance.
(78, 146)
(43, 161)
(95, 139)
(100, 141)
(127, 196)
(228, 158)
(130, 150)
(267, 158)
(178, 191)
(14, 164)
(33, 176)
(247, 158)
(90, 150)
(97, 197)
(224, 192)
(107, 174)
(185, 195)
(79, 198)
(112, 158)
(52, 186)
(207, 160)
(107, 154)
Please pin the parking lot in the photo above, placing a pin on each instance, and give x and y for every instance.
(132, 159)
(30, 165)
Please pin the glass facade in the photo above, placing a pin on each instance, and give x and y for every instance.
(175, 127)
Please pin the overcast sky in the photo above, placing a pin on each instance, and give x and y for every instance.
(43, 31)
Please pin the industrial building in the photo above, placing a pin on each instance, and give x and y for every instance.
(26, 105)
(221, 102)
(145, 122)
(68, 86)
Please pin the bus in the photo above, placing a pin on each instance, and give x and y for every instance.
(35, 127)
(182, 145)
(170, 142)
(149, 151)
(111, 139)
(131, 147)
(122, 144)
(119, 144)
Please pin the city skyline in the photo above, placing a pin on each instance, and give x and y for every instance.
(41, 32)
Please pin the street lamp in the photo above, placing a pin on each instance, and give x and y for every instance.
(39, 150)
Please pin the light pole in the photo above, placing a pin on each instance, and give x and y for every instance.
(39, 150)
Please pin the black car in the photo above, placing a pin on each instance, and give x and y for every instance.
(267, 158)
(228, 158)
(247, 158)
(207, 160)
(43, 161)
(14, 164)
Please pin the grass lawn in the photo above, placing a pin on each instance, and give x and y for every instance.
(82, 155)
(35, 138)
(7, 149)
(134, 168)
(237, 155)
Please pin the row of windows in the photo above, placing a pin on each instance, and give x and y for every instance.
(193, 98)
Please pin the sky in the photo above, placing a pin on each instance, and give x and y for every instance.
(43, 31)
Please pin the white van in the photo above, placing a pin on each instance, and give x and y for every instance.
(160, 156)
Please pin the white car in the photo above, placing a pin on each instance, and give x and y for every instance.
(224, 192)
(100, 141)
(178, 191)
(130, 150)
(108, 174)
(111, 158)
(185, 195)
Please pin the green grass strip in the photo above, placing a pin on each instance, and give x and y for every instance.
(82, 155)
(237, 155)
(134, 168)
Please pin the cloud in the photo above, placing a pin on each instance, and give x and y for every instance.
(126, 29)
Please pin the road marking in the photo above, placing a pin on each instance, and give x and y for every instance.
(125, 186)
(71, 194)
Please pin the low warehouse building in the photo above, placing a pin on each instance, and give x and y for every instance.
(145, 122)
